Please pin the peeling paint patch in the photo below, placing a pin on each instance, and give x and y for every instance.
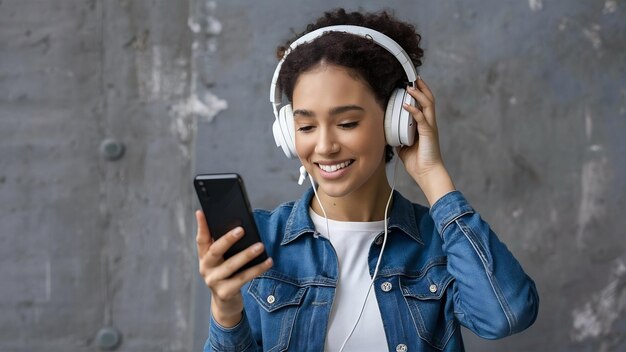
(158, 77)
(214, 26)
(148, 64)
(594, 182)
(181, 217)
(592, 33)
(586, 323)
(193, 25)
(205, 107)
(610, 6)
(182, 129)
(200, 104)
(535, 5)
(596, 317)
(595, 148)
(186, 114)
(181, 320)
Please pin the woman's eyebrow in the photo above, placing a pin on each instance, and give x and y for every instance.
(341, 109)
(303, 113)
(334, 111)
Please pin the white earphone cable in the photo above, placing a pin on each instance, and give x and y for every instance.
(321, 206)
(380, 256)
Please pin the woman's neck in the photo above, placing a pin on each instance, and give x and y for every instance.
(364, 204)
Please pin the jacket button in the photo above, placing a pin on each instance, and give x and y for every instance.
(379, 240)
(386, 286)
(433, 288)
(271, 299)
(401, 348)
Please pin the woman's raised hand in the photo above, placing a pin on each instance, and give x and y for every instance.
(423, 159)
(226, 299)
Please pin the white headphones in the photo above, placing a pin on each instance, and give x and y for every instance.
(399, 125)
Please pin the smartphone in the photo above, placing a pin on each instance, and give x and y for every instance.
(225, 205)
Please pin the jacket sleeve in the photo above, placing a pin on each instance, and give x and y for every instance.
(493, 296)
(235, 339)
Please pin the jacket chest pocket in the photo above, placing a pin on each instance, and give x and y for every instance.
(280, 302)
(430, 305)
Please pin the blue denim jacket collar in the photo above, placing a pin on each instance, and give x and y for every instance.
(299, 222)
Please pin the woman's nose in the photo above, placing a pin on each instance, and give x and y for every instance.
(326, 144)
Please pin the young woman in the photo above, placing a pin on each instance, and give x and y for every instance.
(354, 265)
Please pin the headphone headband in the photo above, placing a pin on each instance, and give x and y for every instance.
(377, 37)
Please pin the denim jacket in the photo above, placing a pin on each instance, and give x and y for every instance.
(442, 267)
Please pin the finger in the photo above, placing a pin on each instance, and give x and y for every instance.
(425, 127)
(235, 283)
(427, 106)
(221, 245)
(234, 263)
(417, 114)
(203, 237)
(420, 97)
(425, 89)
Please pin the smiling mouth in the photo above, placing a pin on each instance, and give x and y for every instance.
(335, 167)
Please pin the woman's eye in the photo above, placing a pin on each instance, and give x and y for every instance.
(349, 125)
(305, 128)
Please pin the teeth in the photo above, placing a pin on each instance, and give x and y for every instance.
(333, 168)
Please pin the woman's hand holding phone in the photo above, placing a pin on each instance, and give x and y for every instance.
(219, 274)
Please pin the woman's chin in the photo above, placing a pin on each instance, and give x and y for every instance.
(334, 191)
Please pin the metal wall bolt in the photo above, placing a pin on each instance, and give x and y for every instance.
(108, 338)
(111, 149)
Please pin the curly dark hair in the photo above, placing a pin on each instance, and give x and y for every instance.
(366, 59)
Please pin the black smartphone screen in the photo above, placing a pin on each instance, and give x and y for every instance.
(225, 205)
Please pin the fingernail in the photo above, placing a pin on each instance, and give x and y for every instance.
(269, 261)
(238, 232)
(257, 247)
(419, 78)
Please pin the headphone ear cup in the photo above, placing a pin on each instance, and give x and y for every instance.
(287, 131)
(278, 137)
(399, 124)
(408, 126)
(392, 117)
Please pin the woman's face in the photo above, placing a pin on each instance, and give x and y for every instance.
(340, 138)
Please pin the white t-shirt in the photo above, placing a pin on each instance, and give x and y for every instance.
(352, 241)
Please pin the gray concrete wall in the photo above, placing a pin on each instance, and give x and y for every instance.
(531, 106)
(85, 242)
